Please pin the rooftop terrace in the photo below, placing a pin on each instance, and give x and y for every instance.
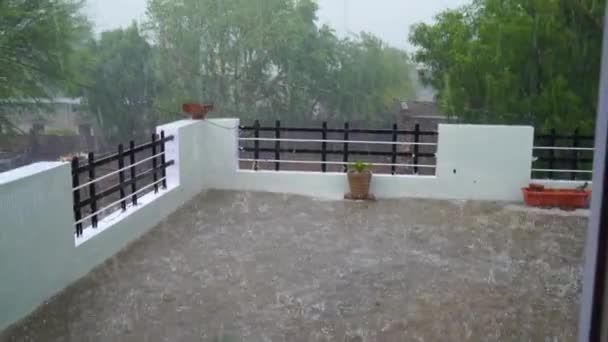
(179, 243)
(247, 266)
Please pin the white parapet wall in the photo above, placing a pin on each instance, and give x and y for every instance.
(38, 252)
(473, 162)
(484, 162)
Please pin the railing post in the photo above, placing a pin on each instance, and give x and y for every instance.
(256, 144)
(132, 169)
(76, 194)
(324, 147)
(394, 151)
(416, 147)
(552, 141)
(346, 129)
(575, 144)
(154, 164)
(121, 176)
(163, 159)
(277, 145)
(92, 189)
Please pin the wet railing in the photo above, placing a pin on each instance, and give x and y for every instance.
(394, 151)
(111, 183)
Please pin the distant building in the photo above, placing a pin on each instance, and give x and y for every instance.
(61, 116)
(50, 128)
(423, 109)
(427, 114)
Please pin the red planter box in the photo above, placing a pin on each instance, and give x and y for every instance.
(196, 110)
(561, 198)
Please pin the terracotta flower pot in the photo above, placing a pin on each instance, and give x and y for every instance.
(560, 198)
(196, 110)
(359, 183)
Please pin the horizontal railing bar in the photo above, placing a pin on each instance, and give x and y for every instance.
(563, 148)
(565, 137)
(564, 171)
(329, 162)
(114, 156)
(118, 202)
(115, 188)
(339, 130)
(581, 160)
(330, 141)
(117, 171)
(340, 152)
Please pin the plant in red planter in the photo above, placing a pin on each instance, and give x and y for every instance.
(568, 199)
(198, 111)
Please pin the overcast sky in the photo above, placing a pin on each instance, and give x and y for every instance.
(388, 19)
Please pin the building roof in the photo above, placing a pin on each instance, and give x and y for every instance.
(55, 100)
(423, 109)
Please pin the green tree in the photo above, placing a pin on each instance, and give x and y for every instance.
(120, 83)
(269, 59)
(515, 61)
(37, 41)
(370, 82)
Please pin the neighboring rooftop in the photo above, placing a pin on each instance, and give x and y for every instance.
(242, 266)
(423, 109)
(427, 115)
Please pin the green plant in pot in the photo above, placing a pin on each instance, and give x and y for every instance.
(359, 180)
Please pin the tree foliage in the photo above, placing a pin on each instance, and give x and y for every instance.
(265, 59)
(516, 61)
(120, 82)
(37, 40)
(370, 82)
(269, 59)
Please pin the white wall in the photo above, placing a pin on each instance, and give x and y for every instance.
(474, 162)
(35, 214)
(484, 162)
(38, 254)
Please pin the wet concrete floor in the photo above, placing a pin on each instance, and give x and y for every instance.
(232, 266)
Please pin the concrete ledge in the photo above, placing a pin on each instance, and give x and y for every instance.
(331, 185)
(27, 171)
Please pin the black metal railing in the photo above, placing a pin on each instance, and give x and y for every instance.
(101, 186)
(408, 151)
(563, 156)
